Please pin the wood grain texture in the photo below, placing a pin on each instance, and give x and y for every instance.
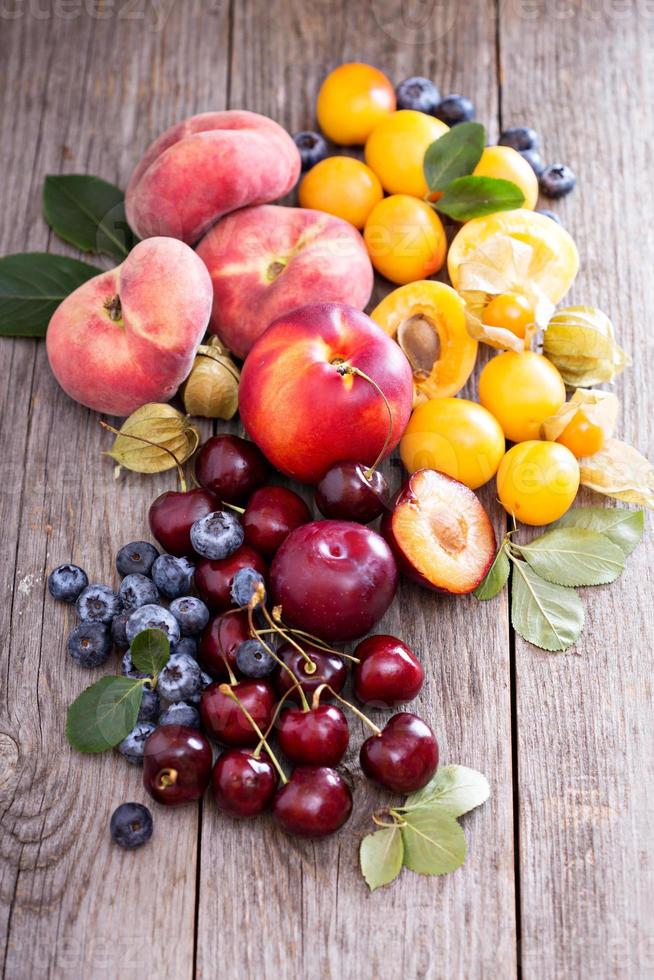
(584, 721)
(303, 906)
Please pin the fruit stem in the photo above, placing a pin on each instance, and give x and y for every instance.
(166, 777)
(239, 510)
(397, 821)
(273, 720)
(310, 667)
(149, 442)
(226, 690)
(316, 641)
(255, 632)
(344, 369)
(376, 729)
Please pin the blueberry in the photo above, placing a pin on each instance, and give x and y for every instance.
(244, 584)
(557, 180)
(550, 214)
(520, 138)
(98, 604)
(150, 706)
(119, 630)
(217, 535)
(173, 576)
(66, 582)
(89, 644)
(136, 557)
(253, 660)
(153, 617)
(138, 590)
(418, 93)
(180, 713)
(534, 159)
(191, 614)
(180, 678)
(131, 825)
(455, 109)
(133, 744)
(205, 679)
(188, 645)
(312, 147)
(128, 669)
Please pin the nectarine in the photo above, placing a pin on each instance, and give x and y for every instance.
(268, 260)
(129, 335)
(303, 406)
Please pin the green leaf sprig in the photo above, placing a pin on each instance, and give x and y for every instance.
(32, 285)
(587, 546)
(448, 168)
(106, 711)
(424, 835)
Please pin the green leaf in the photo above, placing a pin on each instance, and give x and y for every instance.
(455, 789)
(150, 651)
(434, 843)
(623, 527)
(574, 556)
(496, 577)
(549, 616)
(380, 856)
(32, 285)
(104, 713)
(473, 197)
(453, 155)
(89, 213)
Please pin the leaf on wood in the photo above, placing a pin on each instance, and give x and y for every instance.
(455, 154)
(104, 713)
(434, 843)
(547, 615)
(381, 856)
(455, 789)
(496, 577)
(473, 197)
(89, 213)
(32, 285)
(623, 527)
(574, 556)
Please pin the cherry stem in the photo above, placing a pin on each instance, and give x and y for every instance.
(226, 690)
(344, 369)
(397, 821)
(149, 442)
(274, 718)
(239, 510)
(310, 665)
(259, 636)
(376, 729)
(317, 642)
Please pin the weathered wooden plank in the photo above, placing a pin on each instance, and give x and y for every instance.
(270, 906)
(81, 94)
(584, 726)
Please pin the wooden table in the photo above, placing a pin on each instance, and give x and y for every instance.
(559, 879)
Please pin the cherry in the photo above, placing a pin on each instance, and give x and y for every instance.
(270, 516)
(350, 491)
(330, 669)
(388, 672)
(172, 515)
(213, 578)
(317, 737)
(223, 718)
(176, 764)
(314, 802)
(403, 756)
(220, 641)
(243, 783)
(231, 467)
(334, 579)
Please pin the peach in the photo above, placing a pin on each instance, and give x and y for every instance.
(205, 167)
(268, 260)
(301, 402)
(129, 335)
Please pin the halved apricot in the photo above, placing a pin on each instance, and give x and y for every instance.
(554, 262)
(427, 319)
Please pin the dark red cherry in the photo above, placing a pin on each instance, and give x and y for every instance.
(330, 669)
(231, 468)
(173, 513)
(404, 757)
(347, 492)
(270, 516)
(243, 784)
(388, 672)
(223, 718)
(176, 764)
(315, 802)
(213, 578)
(318, 737)
(221, 640)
